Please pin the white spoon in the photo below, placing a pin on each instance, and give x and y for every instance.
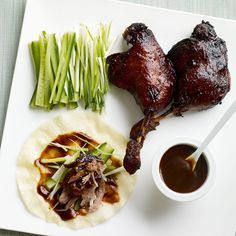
(195, 156)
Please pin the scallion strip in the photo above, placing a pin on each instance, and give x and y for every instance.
(66, 148)
(53, 160)
(117, 170)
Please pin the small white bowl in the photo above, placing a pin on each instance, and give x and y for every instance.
(182, 197)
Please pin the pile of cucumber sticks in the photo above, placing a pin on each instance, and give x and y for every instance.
(71, 69)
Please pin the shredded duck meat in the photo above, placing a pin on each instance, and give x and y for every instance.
(84, 183)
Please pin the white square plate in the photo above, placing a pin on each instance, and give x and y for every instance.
(147, 212)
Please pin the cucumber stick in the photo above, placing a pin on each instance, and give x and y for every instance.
(104, 150)
(40, 99)
(50, 184)
(63, 75)
(35, 55)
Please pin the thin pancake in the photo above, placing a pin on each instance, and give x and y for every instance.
(28, 175)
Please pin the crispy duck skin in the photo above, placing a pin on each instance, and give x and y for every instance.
(201, 66)
(143, 70)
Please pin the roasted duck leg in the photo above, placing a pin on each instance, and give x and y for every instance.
(201, 65)
(143, 70)
(146, 72)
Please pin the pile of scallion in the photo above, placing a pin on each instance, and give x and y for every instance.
(71, 69)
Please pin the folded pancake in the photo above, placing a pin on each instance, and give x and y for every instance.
(29, 176)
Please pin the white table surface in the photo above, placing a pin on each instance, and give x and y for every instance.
(11, 16)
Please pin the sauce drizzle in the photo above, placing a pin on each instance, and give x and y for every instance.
(75, 138)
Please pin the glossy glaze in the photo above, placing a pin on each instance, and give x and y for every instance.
(201, 65)
(143, 70)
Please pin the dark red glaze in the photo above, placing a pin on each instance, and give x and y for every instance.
(201, 66)
(143, 70)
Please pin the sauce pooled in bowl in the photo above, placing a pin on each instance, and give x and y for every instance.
(177, 172)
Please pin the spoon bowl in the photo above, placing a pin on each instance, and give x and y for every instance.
(194, 157)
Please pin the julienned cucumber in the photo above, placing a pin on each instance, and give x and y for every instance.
(104, 150)
(71, 69)
(50, 184)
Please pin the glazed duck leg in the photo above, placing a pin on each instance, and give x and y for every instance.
(201, 66)
(146, 72)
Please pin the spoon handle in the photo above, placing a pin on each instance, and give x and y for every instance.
(230, 111)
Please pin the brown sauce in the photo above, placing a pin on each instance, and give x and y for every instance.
(111, 195)
(177, 172)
